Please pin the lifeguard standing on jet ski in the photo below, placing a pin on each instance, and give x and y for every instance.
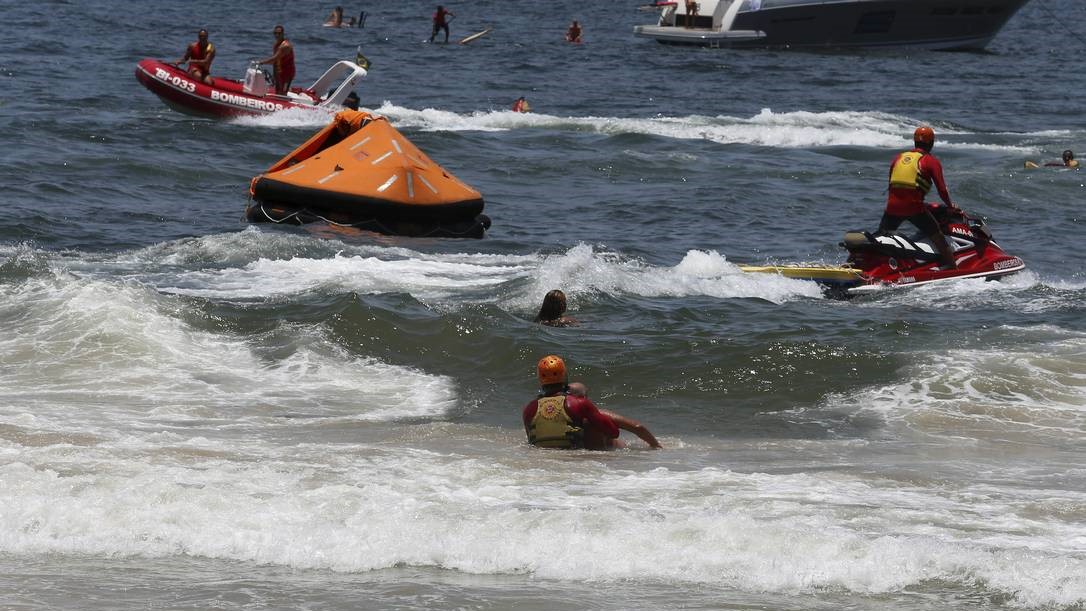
(912, 174)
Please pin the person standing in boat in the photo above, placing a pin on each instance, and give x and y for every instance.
(199, 55)
(912, 174)
(691, 13)
(282, 61)
(441, 22)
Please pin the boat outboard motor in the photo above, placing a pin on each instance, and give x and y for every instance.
(256, 82)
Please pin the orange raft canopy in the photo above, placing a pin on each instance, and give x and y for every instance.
(360, 171)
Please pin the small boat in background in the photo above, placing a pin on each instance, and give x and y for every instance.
(927, 24)
(231, 98)
(361, 172)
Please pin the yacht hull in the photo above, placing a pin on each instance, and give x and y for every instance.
(922, 24)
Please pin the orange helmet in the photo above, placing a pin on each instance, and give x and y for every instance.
(551, 370)
(924, 136)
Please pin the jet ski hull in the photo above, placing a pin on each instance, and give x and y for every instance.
(877, 262)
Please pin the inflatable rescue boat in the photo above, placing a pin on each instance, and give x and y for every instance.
(254, 96)
(360, 172)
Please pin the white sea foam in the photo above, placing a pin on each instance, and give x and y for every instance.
(121, 347)
(467, 277)
(353, 507)
(796, 129)
(1031, 395)
(291, 117)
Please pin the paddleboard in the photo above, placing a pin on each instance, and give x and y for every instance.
(476, 36)
(827, 273)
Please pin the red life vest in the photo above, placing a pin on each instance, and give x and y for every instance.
(198, 52)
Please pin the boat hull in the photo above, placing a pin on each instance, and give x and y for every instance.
(225, 98)
(921, 24)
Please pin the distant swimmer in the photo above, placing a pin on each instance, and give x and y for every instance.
(521, 105)
(335, 19)
(912, 174)
(199, 55)
(573, 32)
(1068, 161)
(553, 311)
(564, 417)
(282, 61)
(441, 19)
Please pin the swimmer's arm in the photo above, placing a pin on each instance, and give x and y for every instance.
(634, 427)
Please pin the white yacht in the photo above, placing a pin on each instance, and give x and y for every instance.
(927, 24)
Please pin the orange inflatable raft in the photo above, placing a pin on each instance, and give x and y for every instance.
(359, 171)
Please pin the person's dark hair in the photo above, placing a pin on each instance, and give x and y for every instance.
(554, 306)
(1068, 155)
(351, 101)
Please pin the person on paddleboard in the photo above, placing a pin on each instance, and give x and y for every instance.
(912, 174)
(573, 33)
(441, 22)
(199, 55)
(282, 61)
(563, 416)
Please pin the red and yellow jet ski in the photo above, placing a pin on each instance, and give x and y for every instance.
(360, 172)
(877, 261)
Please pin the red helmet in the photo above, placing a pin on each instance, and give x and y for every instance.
(924, 136)
(551, 370)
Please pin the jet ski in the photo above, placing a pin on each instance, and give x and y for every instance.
(877, 261)
(361, 172)
(253, 96)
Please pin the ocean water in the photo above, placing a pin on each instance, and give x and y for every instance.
(200, 413)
